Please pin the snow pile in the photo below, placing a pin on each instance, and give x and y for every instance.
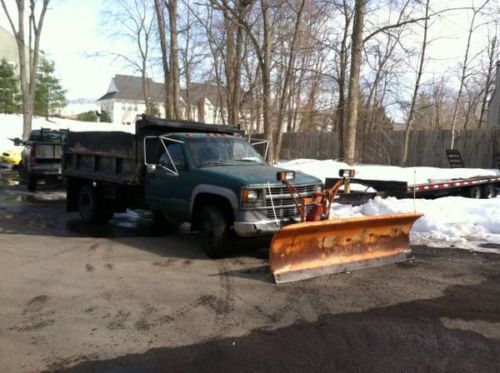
(449, 221)
(411, 175)
(11, 126)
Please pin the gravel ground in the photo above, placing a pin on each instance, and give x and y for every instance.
(126, 298)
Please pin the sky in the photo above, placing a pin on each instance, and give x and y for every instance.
(71, 37)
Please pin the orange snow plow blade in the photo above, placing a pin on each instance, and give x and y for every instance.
(311, 249)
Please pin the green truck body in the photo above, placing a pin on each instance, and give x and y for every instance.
(206, 175)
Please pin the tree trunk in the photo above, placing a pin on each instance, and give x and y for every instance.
(489, 78)
(353, 97)
(174, 58)
(27, 70)
(343, 57)
(266, 79)
(409, 120)
(464, 72)
(166, 70)
(286, 83)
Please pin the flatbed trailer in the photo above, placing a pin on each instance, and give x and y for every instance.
(472, 187)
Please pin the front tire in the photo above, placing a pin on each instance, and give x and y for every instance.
(91, 207)
(214, 232)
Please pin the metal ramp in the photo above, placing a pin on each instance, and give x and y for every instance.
(455, 159)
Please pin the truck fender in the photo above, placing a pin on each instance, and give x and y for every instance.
(217, 190)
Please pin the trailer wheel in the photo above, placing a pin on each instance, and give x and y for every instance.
(473, 192)
(214, 232)
(91, 206)
(489, 191)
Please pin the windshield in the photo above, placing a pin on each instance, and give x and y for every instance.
(214, 151)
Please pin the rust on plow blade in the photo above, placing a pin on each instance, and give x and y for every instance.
(311, 249)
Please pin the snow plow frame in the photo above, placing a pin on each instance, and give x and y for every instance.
(318, 246)
(311, 249)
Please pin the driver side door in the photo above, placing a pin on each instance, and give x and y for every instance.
(168, 187)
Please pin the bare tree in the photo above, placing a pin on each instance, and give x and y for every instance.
(174, 58)
(263, 51)
(285, 89)
(27, 64)
(490, 76)
(349, 140)
(342, 77)
(420, 68)
(160, 19)
(132, 20)
(465, 66)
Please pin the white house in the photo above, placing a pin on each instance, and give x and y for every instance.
(124, 100)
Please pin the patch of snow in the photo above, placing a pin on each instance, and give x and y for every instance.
(449, 221)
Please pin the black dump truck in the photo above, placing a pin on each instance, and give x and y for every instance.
(42, 156)
(207, 175)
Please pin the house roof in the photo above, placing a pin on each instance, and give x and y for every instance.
(130, 88)
(209, 91)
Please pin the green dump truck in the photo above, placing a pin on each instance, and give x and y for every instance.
(207, 175)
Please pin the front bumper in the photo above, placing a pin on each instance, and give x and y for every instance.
(259, 228)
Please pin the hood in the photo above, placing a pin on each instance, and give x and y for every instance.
(249, 175)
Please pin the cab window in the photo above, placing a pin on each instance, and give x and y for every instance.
(177, 155)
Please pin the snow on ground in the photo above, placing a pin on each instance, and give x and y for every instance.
(450, 221)
(411, 175)
(11, 126)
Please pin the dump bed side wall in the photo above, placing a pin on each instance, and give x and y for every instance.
(103, 156)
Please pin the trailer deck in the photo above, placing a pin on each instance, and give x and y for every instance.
(473, 187)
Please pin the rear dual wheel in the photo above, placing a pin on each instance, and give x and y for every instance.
(30, 182)
(92, 207)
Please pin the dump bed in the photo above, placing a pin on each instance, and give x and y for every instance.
(118, 156)
(106, 156)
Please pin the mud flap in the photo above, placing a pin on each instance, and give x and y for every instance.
(312, 249)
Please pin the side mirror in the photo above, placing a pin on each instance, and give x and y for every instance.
(151, 168)
(17, 141)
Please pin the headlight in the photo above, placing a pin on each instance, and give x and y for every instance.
(251, 197)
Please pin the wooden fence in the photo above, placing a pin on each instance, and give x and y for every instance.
(427, 147)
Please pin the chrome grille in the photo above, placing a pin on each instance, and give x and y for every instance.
(283, 202)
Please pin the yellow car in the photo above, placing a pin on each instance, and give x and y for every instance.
(12, 156)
